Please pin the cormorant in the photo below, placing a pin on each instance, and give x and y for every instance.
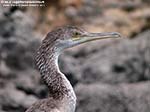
(61, 94)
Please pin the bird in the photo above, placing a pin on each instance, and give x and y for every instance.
(61, 96)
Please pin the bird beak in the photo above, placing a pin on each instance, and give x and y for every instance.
(98, 36)
(86, 37)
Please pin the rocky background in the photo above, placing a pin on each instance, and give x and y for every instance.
(108, 75)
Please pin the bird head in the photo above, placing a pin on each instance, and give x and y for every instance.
(69, 36)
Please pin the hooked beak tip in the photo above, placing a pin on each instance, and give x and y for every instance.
(117, 35)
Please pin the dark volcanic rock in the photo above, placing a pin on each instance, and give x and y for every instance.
(13, 100)
(16, 46)
(18, 79)
(107, 98)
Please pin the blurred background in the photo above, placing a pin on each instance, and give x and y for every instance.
(108, 75)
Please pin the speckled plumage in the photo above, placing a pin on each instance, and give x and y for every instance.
(61, 95)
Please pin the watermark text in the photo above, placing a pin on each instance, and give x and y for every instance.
(20, 3)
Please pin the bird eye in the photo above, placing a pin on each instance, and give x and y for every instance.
(76, 34)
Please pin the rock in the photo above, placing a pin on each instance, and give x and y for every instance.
(28, 101)
(30, 83)
(5, 72)
(71, 12)
(69, 66)
(15, 46)
(13, 99)
(17, 73)
(121, 98)
(27, 83)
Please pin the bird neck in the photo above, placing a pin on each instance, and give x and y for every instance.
(58, 85)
